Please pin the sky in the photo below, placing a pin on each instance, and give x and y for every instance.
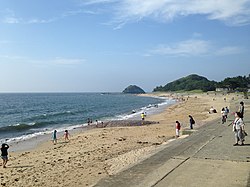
(107, 45)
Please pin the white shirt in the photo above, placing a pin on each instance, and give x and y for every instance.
(238, 123)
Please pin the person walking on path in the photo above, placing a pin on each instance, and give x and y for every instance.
(177, 128)
(4, 154)
(241, 109)
(238, 129)
(54, 137)
(191, 121)
(223, 115)
(226, 111)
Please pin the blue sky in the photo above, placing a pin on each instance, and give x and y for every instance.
(106, 45)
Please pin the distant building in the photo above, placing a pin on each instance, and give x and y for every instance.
(221, 89)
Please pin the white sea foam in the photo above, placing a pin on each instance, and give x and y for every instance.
(149, 110)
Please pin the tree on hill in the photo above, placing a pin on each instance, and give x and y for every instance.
(196, 82)
(240, 83)
(191, 82)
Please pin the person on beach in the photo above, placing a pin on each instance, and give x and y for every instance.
(54, 137)
(142, 117)
(4, 154)
(241, 109)
(238, 129)
(66, 135)
(177, 129)
(223, 115)
(226, 111)
(212, 110)
(191, 121)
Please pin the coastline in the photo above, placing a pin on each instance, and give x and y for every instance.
(20, 145)
(100, 152)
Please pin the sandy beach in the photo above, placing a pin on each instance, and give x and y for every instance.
(99, 152)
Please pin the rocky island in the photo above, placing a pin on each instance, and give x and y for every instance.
(133, 89)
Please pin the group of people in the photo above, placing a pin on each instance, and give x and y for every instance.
(178, 125)
(65, 135)
(238, 123)
(224, 113)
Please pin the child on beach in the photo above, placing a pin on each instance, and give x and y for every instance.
(177, 128)
(4, 154)
(142, 117)
(66, 135)
(54, 138)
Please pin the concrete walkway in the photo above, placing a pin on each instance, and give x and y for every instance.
(206, 158)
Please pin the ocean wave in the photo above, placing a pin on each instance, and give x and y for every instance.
(24, 126)
(49, 115)
(40, 133)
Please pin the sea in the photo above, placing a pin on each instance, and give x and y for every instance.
(27, 115)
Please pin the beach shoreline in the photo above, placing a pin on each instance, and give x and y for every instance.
(100, 152)
(36, 141)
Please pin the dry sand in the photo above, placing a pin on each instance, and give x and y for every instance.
(97, 153)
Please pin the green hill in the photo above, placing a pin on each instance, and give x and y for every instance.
(191, 82)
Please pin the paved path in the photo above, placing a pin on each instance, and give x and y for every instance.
(206, 158)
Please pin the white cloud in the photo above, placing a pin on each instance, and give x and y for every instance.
(12, 58)
(66, 61)
(16, 20)
(229, 50)
(196, 35)
(184, 48)
(194, 47)
(9, 17)
(232, 12)
(92, 2)
(45, 62)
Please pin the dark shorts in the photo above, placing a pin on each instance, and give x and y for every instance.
(4, 157)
